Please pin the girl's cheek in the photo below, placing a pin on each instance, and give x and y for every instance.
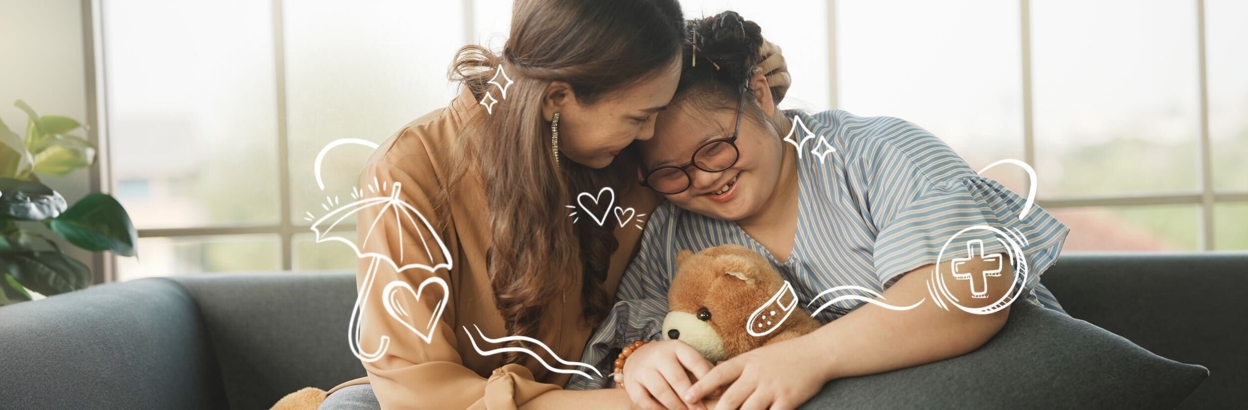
(682, 200)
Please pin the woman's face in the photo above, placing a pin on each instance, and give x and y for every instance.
(593, 134)
(733, 194)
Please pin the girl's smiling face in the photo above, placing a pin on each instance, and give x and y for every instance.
(742, 189)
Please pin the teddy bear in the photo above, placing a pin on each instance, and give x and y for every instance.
(727, 300)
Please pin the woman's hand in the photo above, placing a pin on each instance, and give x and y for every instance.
(657, 372)
(775, 69)
(779, 376)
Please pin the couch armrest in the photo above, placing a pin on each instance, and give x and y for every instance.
(133, 345)
(275, 333)
(1188, 307)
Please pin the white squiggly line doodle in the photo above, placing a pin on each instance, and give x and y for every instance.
(872, 300)
(528, 352)
(1031, 179)
(320, 156)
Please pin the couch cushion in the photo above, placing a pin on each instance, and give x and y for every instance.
(1189, 307)
(275, 333)
(1041, 359)
(135, 345)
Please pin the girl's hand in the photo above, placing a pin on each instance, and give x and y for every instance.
(775, 69)
(655, 374)
(779, 376)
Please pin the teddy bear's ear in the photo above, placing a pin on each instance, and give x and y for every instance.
(682, 256)
(738, 267)
(740, 275)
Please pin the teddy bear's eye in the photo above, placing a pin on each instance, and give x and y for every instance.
(704, 315)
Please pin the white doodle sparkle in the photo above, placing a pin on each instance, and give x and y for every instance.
(489, 107)
(502, 72)
(797, 123)
(827, 149)
(488, 101)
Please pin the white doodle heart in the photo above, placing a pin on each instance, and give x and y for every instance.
(620, 212)
(397, 312)
(580, 199)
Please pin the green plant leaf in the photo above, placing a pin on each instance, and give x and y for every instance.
(11, 291)
(61, 154)
(24, 240)
(30, 112)
(33, 133)
(13, 154)
(49, 273)
(56, 124)
(28, 200)
(97, 223)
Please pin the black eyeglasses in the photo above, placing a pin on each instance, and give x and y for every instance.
(715, 155)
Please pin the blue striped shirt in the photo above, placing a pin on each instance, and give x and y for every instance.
(884, 203)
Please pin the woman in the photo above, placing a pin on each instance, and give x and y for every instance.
(493, 173)
(866, 202)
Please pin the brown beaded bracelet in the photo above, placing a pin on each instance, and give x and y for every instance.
(619, 362)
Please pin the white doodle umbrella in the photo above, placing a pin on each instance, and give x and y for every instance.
(388, 209)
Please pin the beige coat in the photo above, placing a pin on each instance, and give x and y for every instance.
(447, 372)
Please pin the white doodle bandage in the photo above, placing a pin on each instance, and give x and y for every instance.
(764, 319)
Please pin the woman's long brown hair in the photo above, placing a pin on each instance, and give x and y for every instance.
(597, 47)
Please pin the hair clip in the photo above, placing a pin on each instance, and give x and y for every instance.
(713, 63)
(694, 43)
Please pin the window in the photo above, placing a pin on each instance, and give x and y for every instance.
(215, 111)
(1109, 111)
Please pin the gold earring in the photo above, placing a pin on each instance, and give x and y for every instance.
(554, 137)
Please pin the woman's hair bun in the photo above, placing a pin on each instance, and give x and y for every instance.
(729, 42)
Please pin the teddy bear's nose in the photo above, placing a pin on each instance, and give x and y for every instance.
(673, 334)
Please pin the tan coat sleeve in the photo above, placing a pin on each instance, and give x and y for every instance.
(412, 372)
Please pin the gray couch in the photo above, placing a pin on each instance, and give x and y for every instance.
(242, 341)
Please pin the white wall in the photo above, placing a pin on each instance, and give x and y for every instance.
(41, 63)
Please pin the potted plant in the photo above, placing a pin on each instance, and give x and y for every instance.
(30, 260)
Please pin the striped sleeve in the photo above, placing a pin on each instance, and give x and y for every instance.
(641, 303)
(921, 195)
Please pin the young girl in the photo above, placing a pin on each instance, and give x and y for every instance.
(838, 200)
